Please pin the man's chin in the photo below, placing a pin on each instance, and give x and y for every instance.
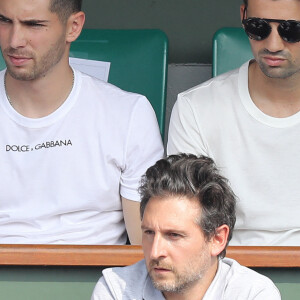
(20, 75)
(276, 72)
(163, 285)
(162, 282)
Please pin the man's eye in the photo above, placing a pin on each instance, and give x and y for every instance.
(33, 24)
(174, 235)
(4, 20)
(148, 232)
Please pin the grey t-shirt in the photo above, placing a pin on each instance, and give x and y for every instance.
(232, 282)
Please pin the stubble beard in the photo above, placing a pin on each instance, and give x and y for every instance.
(40, 66)
(277, 72)
(181, 281)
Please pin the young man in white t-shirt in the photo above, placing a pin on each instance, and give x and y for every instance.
(73, 148)
(188, 213)
(248, 121)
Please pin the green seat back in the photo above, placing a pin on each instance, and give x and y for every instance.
(138, 61)
(2, 64)
(231, 48)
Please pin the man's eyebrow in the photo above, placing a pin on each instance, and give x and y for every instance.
(34, 21)
(175, 230)
(144, 227)
(28, 21)
(166, 230)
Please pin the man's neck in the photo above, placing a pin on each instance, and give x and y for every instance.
(40, 97)
(275, 97)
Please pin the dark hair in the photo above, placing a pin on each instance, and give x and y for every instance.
(193, 177)
(64, 8)
(246, 3)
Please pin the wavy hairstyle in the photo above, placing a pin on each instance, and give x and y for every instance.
(193, 177)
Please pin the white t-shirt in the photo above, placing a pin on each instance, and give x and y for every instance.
(231, 282)
(259, 154)
(61, 176)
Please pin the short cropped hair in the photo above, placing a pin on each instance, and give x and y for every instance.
(64, 8)
(193, 177)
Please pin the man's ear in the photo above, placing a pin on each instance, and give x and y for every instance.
(219, 240)
(242, 8)
(74, 26)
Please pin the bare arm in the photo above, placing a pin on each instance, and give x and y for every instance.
(131, 211)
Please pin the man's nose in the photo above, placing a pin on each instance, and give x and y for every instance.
(274, 43)
(159, 247)
(17, 37)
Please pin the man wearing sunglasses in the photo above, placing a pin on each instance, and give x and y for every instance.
(248, 121)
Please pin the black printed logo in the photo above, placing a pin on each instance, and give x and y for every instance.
(45, 145)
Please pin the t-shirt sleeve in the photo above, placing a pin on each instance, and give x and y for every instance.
(143, 148)
(101, 291)
(184, 131)
(268, 293)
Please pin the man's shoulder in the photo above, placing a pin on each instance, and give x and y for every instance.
(127, 282)
(104, 96)
(135, 271)
(105, 88)
(241, 280)
(215, 88)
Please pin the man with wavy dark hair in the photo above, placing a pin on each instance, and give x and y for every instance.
(188, 214)
(194, 178)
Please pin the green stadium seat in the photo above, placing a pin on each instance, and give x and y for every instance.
(231, 48)
(138, 61)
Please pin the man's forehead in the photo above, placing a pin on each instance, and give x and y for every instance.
(251, 1)
(189, 202)
(25, 7)
(172, 208)
(274, 9)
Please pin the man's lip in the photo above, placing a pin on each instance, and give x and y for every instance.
(161, 269)
(18, 60)
(273, 61)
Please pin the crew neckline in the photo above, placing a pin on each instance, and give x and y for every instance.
(44, 121)
(254, 111)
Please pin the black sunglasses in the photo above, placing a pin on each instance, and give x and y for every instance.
(259, 29)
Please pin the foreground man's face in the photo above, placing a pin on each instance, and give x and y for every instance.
(176, 252)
